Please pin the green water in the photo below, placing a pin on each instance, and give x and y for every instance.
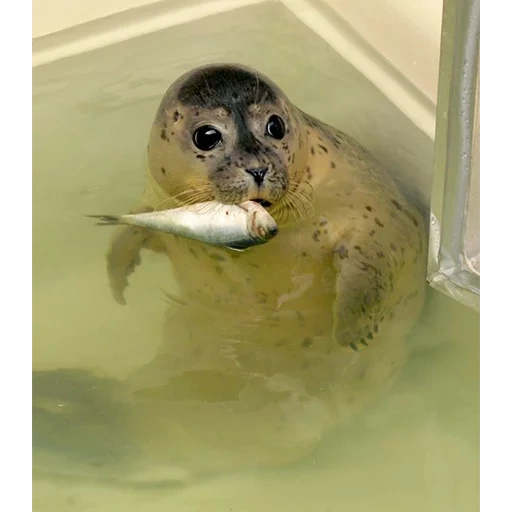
(416, 449)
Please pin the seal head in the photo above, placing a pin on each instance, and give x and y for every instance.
(230, 135)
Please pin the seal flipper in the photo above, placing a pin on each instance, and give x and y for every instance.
(362, 285)
(123, 254)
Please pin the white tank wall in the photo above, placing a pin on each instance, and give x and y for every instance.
(406, 32)
(53, 15)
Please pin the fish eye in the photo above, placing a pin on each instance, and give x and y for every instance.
(207, 138)
(275, 127)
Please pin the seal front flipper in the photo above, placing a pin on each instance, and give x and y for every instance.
(123, 254)
(362, 285)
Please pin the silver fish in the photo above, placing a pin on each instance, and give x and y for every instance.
(236, 227)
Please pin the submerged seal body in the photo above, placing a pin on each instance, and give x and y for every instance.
(268, 349)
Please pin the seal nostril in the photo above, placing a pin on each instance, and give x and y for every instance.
(258, 174)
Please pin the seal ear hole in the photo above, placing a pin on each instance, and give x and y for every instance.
(276, 127)
(207, 138)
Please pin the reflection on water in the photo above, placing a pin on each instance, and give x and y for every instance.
(415, 449)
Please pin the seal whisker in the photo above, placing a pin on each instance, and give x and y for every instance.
(299, 201)
(186, 197)
(287, 210)
(304, 201)
(303, 186)
(161, 203)
(198, 197)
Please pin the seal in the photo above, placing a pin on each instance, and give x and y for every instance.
(266, 350)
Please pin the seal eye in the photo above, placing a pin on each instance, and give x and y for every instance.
(275, 127)
(207, 137)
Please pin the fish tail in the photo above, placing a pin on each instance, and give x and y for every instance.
(106, 220)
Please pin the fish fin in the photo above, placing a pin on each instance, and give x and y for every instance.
(105, 220)
(237, 249)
